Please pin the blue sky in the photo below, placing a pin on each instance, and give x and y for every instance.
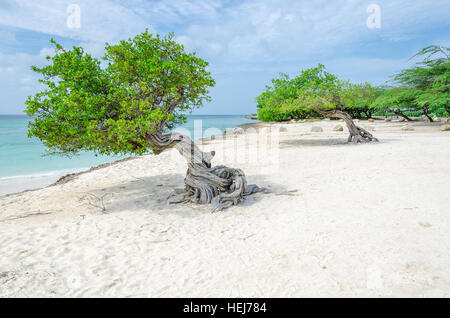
(246, 42)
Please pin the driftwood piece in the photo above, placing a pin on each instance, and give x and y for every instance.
(221, 186)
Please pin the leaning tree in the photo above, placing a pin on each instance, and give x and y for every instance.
(315, 91)
(127, 104)
(363, 107)
(396, 100)
(425, 86)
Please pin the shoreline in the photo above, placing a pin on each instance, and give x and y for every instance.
(10, 185)
(62, 176)
(51, 178)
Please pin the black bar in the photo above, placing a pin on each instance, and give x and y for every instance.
(219, 307)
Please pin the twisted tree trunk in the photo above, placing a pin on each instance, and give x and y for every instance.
(425, 112)
(357, 134)
(221, 186)
(399, 113)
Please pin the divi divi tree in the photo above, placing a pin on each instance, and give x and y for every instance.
(315, 91)
(127, 104)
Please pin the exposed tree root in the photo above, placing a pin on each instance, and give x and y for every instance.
(399, 113)
(221, 186)
(427, 115)
(357, 134)
(360, 135)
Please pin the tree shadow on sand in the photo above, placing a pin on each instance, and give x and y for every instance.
(311, 142)
(151, 194)
(325, 142)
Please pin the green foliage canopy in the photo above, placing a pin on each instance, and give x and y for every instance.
(425, 86)
(144, 85)
(395, 98)
(309, 94)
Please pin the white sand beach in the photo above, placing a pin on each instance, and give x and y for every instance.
(338, 220)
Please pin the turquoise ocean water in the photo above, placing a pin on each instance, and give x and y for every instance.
(23, 156)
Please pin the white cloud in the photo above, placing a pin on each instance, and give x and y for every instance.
(261, 36)
(360, 70)
(284, 30)
(101, 20)
(17, 81)
(242, 30)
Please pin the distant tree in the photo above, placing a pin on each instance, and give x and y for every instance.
(426, 86)
(362, 108)
(396, 100)
(275, 103)
(315, 92)
(128, 107)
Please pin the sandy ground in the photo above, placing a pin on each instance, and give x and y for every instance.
(339, 220)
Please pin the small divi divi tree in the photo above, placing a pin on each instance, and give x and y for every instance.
(329, 96)
(315, 91)
(127, 104)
